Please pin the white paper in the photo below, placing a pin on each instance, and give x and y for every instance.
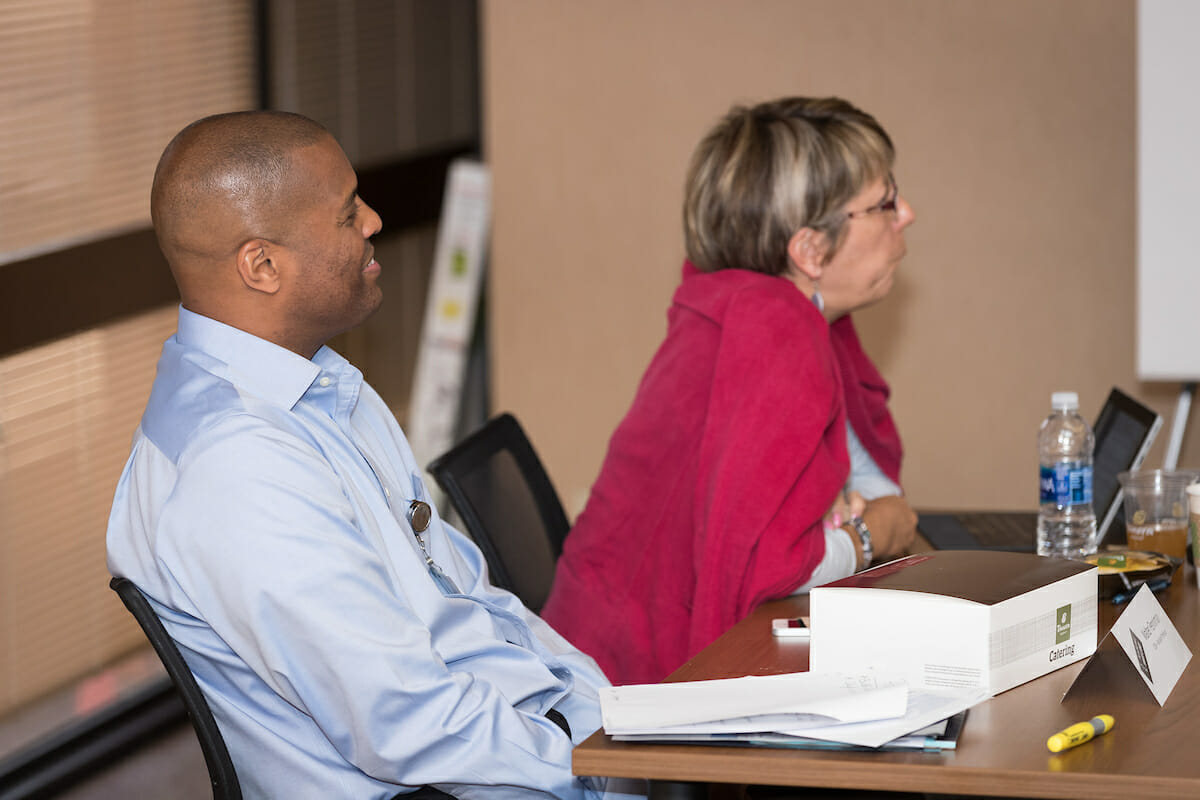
(924, 708)
(791, 701)
(922, 739)
(1152, 643)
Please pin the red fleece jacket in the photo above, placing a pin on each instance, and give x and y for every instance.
(711, 498)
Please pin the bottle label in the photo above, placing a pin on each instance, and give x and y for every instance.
(1067, 483)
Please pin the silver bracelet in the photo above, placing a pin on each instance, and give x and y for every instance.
(864, 536)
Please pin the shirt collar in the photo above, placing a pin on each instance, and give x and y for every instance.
(262, 368)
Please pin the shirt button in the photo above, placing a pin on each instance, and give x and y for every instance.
(326, 381)
(387, 493)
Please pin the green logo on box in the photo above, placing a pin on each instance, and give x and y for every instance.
(1062, 624)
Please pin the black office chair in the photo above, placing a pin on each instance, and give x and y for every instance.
(508, 505)
(220, 766)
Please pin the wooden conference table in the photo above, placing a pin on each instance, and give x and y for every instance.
(1151, 752)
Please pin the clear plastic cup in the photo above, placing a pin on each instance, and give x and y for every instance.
(1193, 492)
(1157, 510)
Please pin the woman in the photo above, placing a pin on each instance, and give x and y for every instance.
(725, 485)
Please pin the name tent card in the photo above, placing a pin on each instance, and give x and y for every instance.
(1145, 639)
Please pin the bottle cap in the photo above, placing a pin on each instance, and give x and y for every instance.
(1065, 400)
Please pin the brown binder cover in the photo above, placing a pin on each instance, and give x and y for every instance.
(981, 576)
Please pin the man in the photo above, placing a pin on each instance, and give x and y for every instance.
(345, 637)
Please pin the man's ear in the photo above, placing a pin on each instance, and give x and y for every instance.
(806, 250)
(257, 267)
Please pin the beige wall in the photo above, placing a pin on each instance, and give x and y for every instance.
(1015, 126)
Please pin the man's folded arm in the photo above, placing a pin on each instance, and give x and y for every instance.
(284, 574)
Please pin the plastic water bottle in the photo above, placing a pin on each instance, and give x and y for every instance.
(1066, 521)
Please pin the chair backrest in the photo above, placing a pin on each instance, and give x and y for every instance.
(508, 505)
(220, 767)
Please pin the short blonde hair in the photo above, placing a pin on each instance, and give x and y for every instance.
(764, 172)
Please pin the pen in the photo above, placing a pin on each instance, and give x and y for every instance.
(1156, 586)
(1080, 732)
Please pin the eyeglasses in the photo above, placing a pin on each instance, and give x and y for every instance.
(886, 204)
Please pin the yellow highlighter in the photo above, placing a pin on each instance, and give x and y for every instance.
(1080, 732)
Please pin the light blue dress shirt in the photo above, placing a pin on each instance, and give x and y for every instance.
(866, 477)
(263, 512)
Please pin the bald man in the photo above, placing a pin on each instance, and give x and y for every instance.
(348, 648)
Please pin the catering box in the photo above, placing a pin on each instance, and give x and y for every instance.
(957, 618)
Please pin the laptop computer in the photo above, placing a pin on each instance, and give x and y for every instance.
(1124, 430)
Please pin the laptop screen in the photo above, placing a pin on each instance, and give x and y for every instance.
(1124, 431)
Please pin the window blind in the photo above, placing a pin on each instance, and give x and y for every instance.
(67, 413)
(90, 93)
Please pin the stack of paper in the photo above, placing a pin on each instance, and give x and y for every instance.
(861, 710)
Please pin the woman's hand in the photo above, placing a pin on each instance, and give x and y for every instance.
(847, 505)
(893, 526)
